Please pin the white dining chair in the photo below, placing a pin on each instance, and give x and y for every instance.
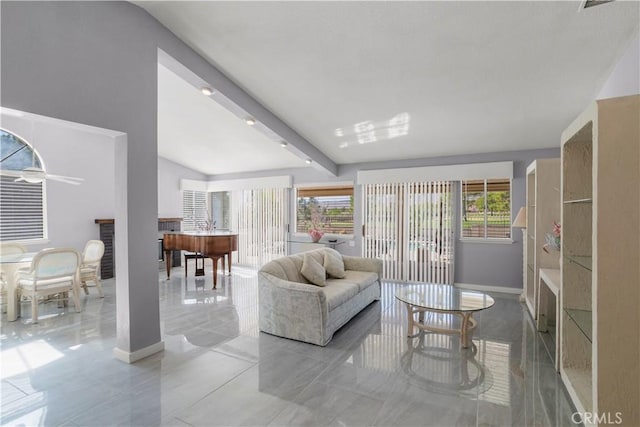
(12, 248)
(8, 249)
(90, 267)
(52, 272)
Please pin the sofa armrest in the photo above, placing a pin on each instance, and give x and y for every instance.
(291, 309)
(373, 265)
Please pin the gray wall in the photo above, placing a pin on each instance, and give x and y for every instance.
(96, 63)
(488, 264)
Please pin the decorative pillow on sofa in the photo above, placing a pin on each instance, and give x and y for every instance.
(313, 271)
(333, 263)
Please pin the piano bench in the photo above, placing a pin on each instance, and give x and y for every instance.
(197, 256)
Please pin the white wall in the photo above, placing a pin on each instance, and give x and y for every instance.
(625, 77)
(169, 194)
(71, 209)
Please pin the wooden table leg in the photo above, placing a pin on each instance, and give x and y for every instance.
(409, 320)
(168, 263)
(466, 329)
(214, 260)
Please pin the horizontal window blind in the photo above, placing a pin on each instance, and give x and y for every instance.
(325, 191)
(21, 210)
(329, 209)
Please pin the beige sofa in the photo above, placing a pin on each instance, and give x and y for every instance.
(292, 307)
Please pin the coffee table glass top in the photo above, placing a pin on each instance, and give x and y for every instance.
(444, 298)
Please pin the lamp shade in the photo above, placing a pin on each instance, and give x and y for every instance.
(521, 219)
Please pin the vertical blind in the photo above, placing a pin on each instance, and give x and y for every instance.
(260, 218)
(409, 227)
(195, 209)
(21, 210)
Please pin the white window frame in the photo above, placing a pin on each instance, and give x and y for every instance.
(45, 228)
(497, 240)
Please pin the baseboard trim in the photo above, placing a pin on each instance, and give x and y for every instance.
(133, 357)
(488, 288)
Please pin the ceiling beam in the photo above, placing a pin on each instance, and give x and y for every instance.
(240, 103)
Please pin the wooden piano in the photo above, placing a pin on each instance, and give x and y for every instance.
(214, 245)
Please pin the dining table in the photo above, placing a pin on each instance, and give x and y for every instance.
(9, 264)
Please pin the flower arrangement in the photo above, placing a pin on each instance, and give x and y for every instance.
(553, 239)
(315, 234)
(317, 219)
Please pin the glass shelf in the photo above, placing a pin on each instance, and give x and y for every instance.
(583, 320)
(582, 261)
(576, 201)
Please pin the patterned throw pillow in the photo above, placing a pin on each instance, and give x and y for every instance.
(313, 271)
(333, 263)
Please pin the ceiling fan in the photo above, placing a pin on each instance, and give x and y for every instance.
(36, 175)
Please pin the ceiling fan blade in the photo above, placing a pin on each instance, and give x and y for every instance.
(66, 179)
(36, 175)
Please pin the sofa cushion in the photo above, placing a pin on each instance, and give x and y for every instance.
(333, 263)
(313, 271)
(363, 279)
(339, 291)
(286, 268)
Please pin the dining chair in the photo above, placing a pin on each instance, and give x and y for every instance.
(8, 249)
(90, 267)
(52, 272)
(12, 248)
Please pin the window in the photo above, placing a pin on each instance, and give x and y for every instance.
(486, 209)
(221, 209)
(22, 208)
(329, 209)
(195, 210)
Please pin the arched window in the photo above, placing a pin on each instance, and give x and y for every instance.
(22, 208)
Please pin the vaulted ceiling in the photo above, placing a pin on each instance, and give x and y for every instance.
(370, 81)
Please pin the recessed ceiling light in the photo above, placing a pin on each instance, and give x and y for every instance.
(283, 144)
(308, 161)
(206, 90)
(250, 121)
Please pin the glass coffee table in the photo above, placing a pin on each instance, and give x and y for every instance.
(443, 299)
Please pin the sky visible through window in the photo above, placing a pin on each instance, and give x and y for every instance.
(15, 154)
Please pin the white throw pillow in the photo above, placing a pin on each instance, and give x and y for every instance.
(333, 263)
(313, 271)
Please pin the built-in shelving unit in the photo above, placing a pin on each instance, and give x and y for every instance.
(600, 254)
(543, 208)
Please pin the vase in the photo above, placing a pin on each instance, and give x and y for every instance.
(316, 235)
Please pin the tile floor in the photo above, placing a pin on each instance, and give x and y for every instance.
(218, 369)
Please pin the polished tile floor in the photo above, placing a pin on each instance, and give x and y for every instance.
(218, 369)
